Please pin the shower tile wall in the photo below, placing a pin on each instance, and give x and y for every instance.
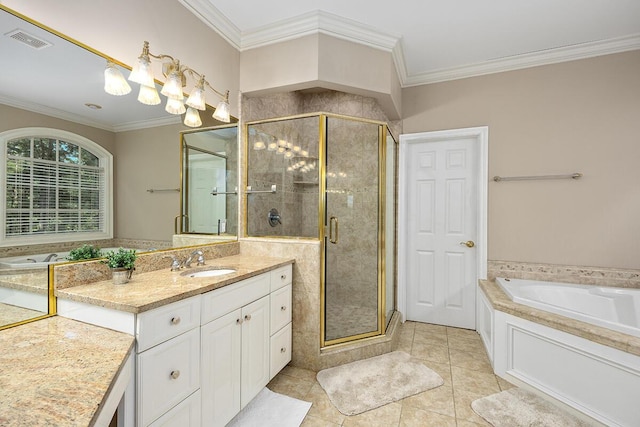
(296, 198)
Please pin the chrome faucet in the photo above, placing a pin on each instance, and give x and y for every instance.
(189, 260)
(175, 264)
(49, 257)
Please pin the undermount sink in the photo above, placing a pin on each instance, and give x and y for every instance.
(209, 273)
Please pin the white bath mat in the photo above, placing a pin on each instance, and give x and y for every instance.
(520, 408)
(370, 383)
(269, 409)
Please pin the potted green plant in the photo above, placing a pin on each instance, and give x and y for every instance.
(121, 262)
(84, 252)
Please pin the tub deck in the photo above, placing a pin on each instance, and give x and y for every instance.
(501, 302)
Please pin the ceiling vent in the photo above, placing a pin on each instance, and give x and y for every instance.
(28, 39)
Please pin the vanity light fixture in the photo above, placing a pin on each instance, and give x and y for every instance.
(176, 78)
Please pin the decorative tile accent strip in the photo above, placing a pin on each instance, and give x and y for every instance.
(599, 276)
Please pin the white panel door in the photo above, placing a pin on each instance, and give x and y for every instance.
(441, 214)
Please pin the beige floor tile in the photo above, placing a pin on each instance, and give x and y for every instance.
(321, 406)
(463, 407)
(415, 417)
(439, 399)
(465, 423)
(290, 386)
(429, 338)
(310, 421)
(384, 416)
(470, 360)
(404, 345)
(422, 328)
(303, 374)
(474, 381)
(466, 343)
(460, 332)
(504, 384)
(432, 352)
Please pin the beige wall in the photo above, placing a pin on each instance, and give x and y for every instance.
(16, 118)
(578, 116)
(147, 159)
(323, 61)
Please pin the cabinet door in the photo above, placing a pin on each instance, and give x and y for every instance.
(255, 349)
(220, 364)
(167, 374)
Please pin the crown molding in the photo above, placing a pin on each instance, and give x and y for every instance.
(318, 22)
(63, 115)
(527, 60)
(346, 29)
(216, 20)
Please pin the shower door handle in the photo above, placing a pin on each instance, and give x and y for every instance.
(333, 230)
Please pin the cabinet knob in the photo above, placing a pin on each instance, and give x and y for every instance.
(283, 349)
(283, 277)
(283, 308)
(239, 321)
(175, 374)
(247, 317)
(175, 320)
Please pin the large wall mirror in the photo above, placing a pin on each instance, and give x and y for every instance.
(50, 80)
(210, 182)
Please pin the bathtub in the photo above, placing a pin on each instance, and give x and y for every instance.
(38, 260)
(613, 308)
(567, 341)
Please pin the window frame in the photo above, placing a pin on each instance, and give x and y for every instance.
(105, 161)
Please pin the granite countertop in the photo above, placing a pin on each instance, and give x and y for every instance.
(500, 301)
(58, 371)
(150, 290)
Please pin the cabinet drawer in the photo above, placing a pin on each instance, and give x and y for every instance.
(167, 374)
(280, 350)
(186, 413)
(160, 324)
(281, 276)
(280, 308)
(221, 301)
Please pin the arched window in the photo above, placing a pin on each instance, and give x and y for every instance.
(57, 187)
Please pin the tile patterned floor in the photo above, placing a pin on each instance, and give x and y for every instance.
(456, 354)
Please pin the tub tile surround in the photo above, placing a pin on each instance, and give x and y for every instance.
(598, 276)
(501, 302)
(60, 369)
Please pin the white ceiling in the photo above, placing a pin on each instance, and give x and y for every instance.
(437, 40)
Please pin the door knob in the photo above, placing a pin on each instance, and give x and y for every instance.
(468, 243)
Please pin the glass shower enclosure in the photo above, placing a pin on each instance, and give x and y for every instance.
(331, 177)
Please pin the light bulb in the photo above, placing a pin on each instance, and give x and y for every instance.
(272, 146)
(196, 97)
(148, 95)
(142, 72)
(173, 86)
(305, 153)
(114, 81)
(259, 145)
(192, 118)
(175, 106)
(222, 112)
(288, 155)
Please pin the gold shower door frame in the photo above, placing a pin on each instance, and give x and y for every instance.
(324, 230)
(322, 206)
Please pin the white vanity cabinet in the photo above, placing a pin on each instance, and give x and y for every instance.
(236, 338)
(200, 360)
(167, 359)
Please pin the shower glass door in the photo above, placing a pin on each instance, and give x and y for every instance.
(353, 263)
